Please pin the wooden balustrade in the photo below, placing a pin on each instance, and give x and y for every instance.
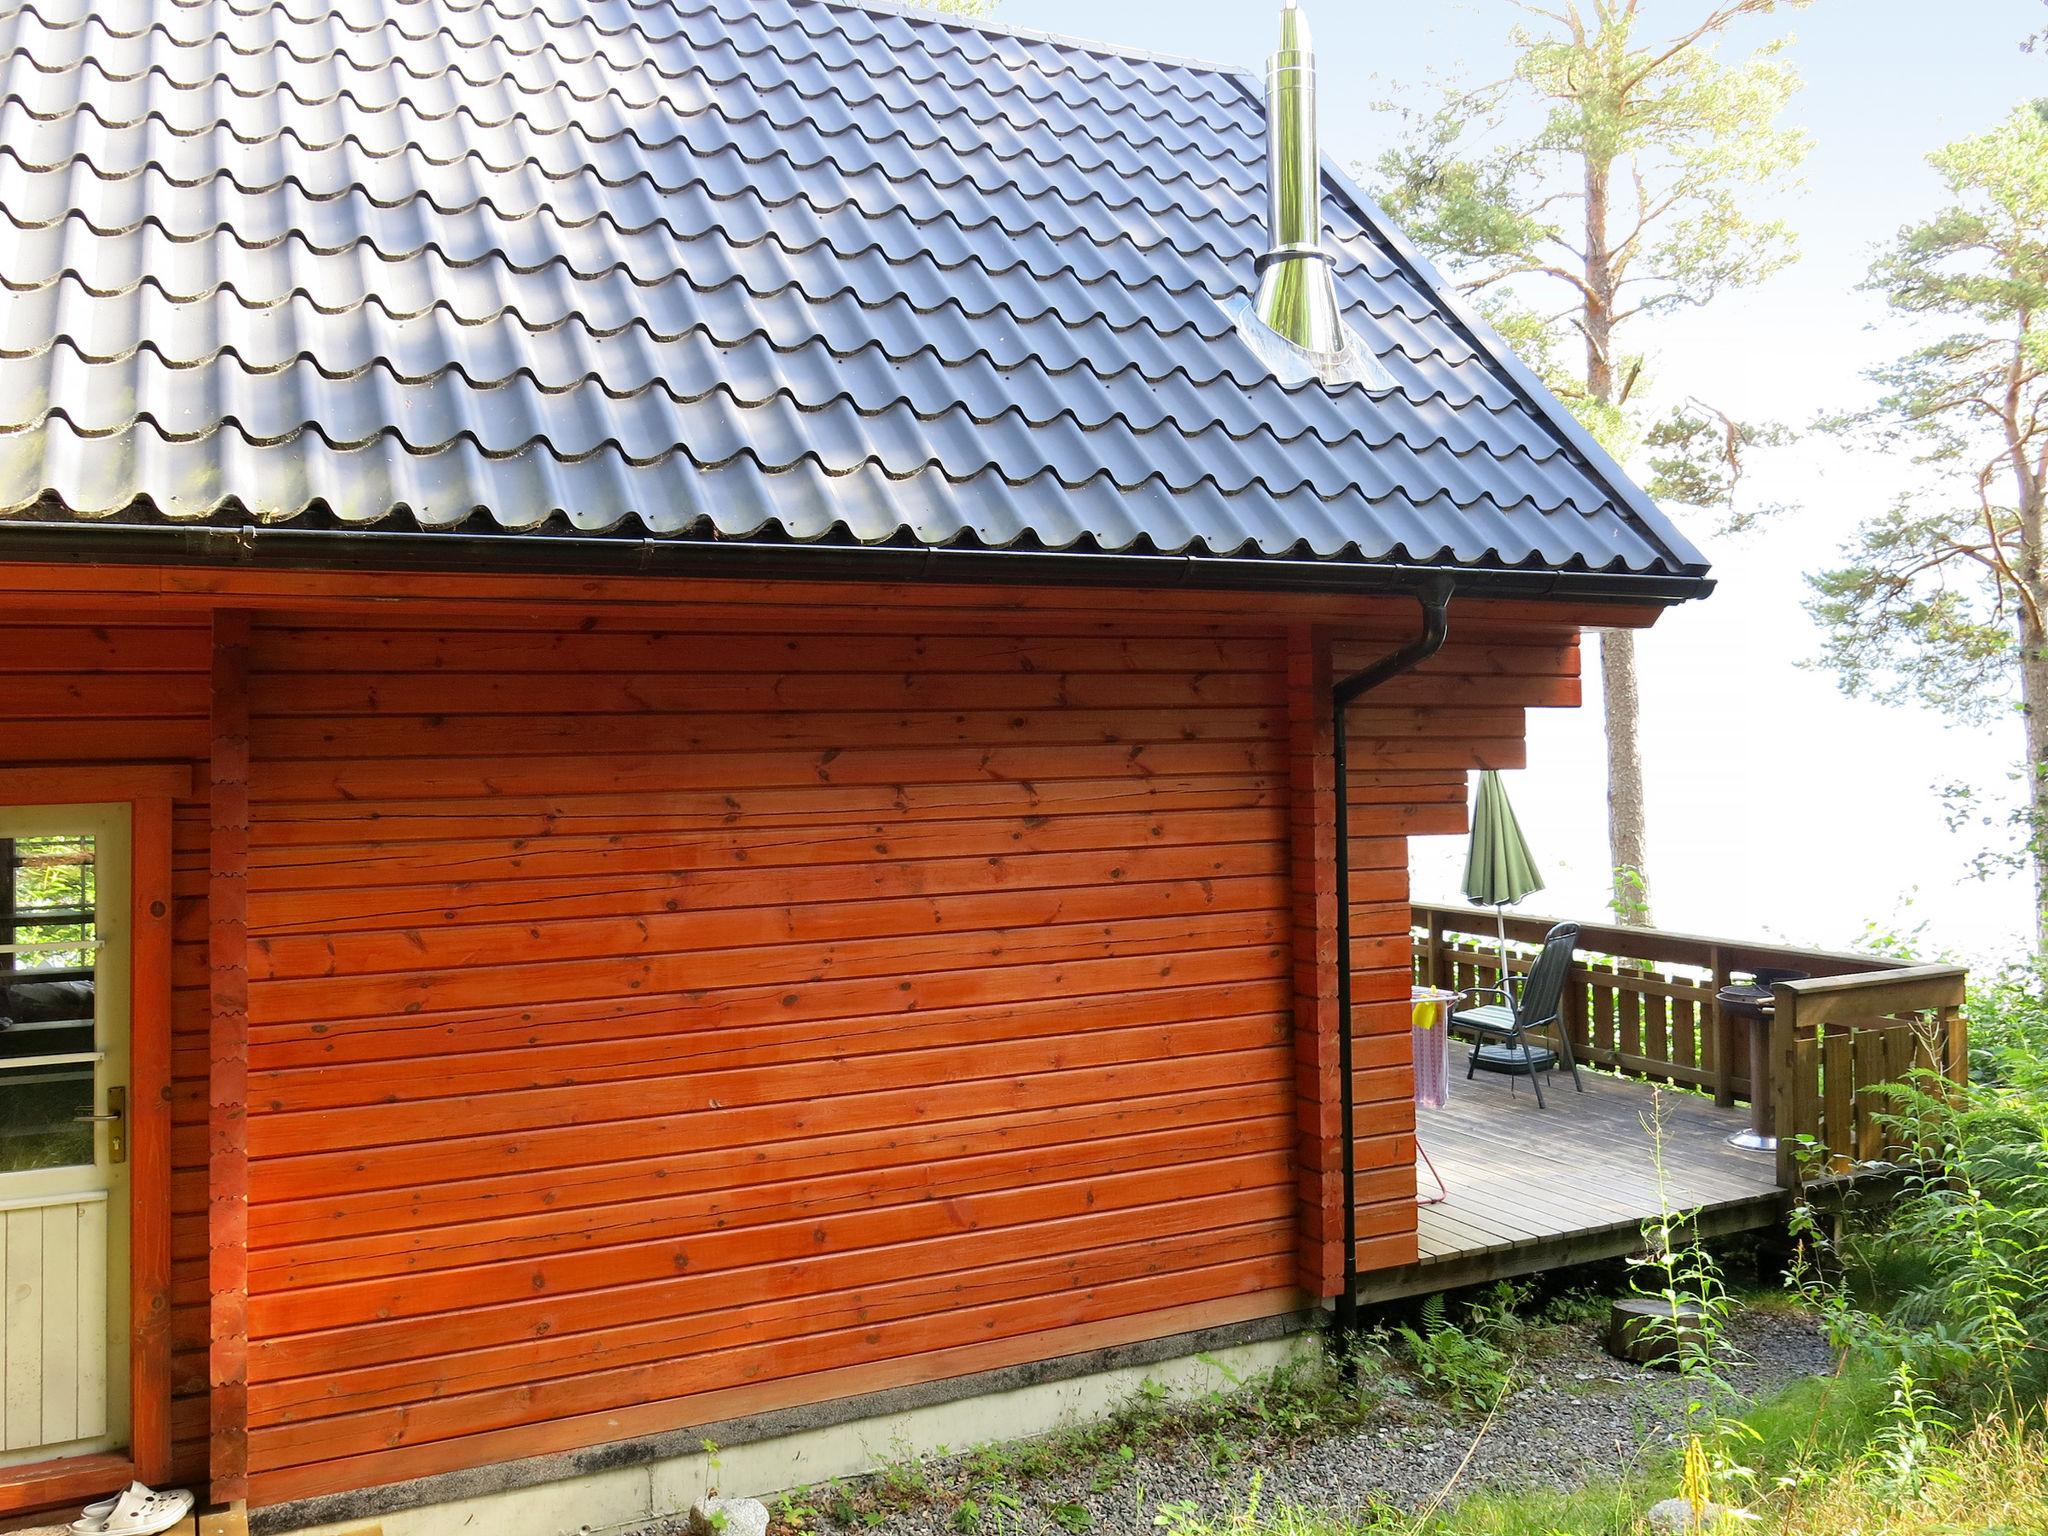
(1838, 1044)
(1642, 1002)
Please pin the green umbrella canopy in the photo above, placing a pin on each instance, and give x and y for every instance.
(1499, 870)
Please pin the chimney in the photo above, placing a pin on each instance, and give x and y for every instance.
(1297, 293)
(1295, 324)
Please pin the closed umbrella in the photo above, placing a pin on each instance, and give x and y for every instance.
(1499, 869)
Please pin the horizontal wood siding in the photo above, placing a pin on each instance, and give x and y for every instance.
(118, 689)
(655, 1024)
(1412, 745)
(643, 1018)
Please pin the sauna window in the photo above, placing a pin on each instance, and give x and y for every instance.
(49, 955)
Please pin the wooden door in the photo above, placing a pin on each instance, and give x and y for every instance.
(65, 1130)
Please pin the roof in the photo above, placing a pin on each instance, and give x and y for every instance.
(771, 271)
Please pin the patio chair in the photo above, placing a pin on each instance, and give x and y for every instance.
(1500, 1030)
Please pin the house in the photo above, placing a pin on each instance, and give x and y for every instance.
(681, 655)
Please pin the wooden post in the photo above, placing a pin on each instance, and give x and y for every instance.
(8, 875)
(1724, 1033)
(1574, 1018)
(149, 1174)
(1312, 786)
(228, 1069)
(1955, 1045)
(1781, 1063)
(1838, 1097)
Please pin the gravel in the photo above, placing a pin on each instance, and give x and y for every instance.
(1578, 1416)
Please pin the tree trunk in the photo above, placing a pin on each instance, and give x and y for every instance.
(2034, 705)
(1627, 819)
(2033, 637)
(2030, 573)
(1627, 815)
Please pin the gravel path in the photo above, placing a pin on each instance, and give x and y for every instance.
(1578, 1416)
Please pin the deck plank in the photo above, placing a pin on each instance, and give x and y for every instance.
(1584, 1168)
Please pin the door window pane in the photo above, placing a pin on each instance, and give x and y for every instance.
(49, 954)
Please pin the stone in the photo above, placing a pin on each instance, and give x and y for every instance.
(1673, 1517)
(729, 1517)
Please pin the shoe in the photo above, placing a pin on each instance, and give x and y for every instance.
(140, 1511)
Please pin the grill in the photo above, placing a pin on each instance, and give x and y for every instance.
(1753, 1002)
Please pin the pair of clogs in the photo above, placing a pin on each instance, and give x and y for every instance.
(136, 1511)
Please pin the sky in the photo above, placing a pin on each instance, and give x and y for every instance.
(1778, 808)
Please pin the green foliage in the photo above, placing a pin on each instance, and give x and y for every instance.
(1975, 1214)
(1948, 1291)
(1942, 598)
(1629, 901)
(1465, 1366)
(2008, 1014)
(1913, 617)
(1610, 177)
(1697, 455)
(973, 10)
(1616, 171)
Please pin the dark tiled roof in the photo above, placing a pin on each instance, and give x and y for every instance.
(746, 269)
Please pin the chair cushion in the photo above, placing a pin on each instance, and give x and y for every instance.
(1491, 1019)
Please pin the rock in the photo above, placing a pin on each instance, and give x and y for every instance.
(729, 1517)
(1673, 1517)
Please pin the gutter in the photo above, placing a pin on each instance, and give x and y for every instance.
(267, 547)
(1435, 598)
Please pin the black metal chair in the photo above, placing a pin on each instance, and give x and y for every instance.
(1500, 1031)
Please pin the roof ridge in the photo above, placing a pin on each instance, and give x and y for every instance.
(910, 11)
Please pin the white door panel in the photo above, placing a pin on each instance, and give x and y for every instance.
(64, 894)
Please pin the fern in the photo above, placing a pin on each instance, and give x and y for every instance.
(1970, 1238)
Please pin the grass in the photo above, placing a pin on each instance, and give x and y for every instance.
(1993, 1482)
(1459, 1355)
(1821, 1459)
(1819, 1466)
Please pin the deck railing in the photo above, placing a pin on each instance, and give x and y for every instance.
(1641, 1002)
(1839, 1044)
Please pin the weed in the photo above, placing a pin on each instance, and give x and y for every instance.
(1462, 1367)
(795, 1514)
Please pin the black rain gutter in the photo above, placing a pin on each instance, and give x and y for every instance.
(1435, 598)
(290, 548)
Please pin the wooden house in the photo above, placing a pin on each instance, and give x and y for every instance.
(667, 747)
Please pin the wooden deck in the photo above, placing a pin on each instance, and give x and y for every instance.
(1538, 1189)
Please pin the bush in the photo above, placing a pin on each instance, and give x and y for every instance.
(1964, 1254)
(2008, 1013)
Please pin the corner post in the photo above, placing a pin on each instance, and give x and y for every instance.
(227, 1221)
(1779, 1076)
(1313, 865)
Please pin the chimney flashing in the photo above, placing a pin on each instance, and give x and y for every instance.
(1295, 324)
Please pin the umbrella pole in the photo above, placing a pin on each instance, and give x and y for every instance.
(1500, 916)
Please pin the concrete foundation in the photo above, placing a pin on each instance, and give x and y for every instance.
(600, 1499)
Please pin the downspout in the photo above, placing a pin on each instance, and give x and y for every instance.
(1435, 599)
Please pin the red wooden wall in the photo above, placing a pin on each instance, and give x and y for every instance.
(112, 688)
(648, 1025)
(641, 1015)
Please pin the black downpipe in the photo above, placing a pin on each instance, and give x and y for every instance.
(1436, 602)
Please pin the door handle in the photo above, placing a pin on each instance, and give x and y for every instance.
(116, 1119)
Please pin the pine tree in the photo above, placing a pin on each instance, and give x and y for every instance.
(1607, 179)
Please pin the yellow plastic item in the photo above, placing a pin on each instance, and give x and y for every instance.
(1430, 1004)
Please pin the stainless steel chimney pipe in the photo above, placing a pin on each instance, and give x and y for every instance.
(1297, 291)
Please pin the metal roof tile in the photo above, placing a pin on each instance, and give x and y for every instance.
(789, 269)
